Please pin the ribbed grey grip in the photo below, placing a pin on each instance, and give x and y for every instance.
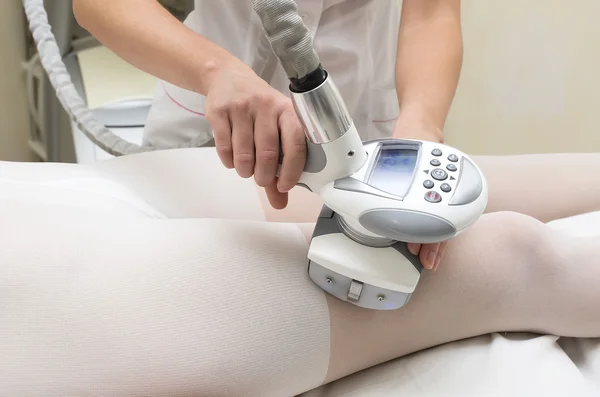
(289, 37)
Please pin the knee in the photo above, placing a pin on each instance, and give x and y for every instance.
(528, 245)
(514, 229)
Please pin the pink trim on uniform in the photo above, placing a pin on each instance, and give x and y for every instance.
(203, 115)
(385, 121)
(181, 105)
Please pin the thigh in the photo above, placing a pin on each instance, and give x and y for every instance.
(508, 272)
(193, 183)
(156, 307)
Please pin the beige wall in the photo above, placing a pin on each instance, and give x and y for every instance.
(14, 119)
(530, 80)
(531, 77)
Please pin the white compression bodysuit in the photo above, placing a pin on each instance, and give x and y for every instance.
(162, 282)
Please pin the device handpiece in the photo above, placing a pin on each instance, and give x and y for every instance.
(334, 146)
(322, 111)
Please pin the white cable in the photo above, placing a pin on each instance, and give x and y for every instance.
(290, 39)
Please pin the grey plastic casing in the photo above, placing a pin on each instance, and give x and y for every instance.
(338, 285)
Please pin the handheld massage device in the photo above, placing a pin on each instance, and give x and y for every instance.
(378, 196)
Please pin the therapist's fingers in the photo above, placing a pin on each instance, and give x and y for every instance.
(414, 248)
(293, 144)
(277, 199)
(428, 255)
(219, 122)
(440, 255)
(242, 139)
(266, 142)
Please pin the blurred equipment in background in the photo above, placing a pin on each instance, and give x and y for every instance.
(119, 94)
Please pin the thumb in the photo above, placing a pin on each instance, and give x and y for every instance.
(414, 248)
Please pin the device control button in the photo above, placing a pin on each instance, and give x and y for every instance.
(470, 184)
(436, 152)
(428, 184)
(453, 158)
(435, 162)
(433, 197)
(445, 187)
(451, 167)
(439, 174)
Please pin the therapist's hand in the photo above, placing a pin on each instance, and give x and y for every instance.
(430, 255)
(250, 119)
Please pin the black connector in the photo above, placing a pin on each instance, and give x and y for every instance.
(309, 82)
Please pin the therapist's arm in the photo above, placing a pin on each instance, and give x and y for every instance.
(429, 61)
(145, 34)
(250, 119)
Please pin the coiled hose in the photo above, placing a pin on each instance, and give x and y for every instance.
(290, 39)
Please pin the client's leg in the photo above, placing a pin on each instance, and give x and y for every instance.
(544, 186)
(223, 308)
(509, 272)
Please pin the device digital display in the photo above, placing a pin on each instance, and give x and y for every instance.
(394, 169)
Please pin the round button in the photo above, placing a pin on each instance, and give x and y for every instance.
(435, 162)
(439, 174)
(445, 187)
(436, 152)
(453, 158)
(305, 17)
(451, 167)
(433, 197)
(428, 184)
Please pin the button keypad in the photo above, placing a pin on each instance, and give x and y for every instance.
(442, 165)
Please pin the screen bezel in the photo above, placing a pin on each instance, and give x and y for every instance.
(417, 146)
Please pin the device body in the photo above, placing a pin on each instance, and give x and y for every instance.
(334, 147)
(406, 191)
(378, 196)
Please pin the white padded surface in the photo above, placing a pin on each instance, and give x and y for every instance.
(490, 365)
